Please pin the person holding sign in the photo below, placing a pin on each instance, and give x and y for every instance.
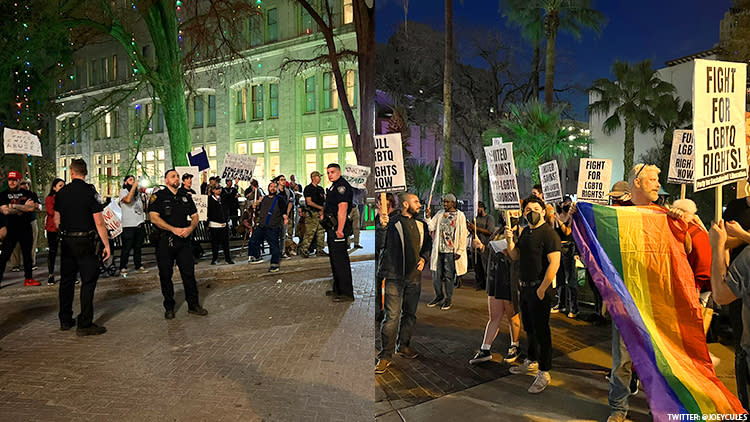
(538, 251)
(133, 219)
(174, 217)
(17, 204)
(273, 216)
(217, 225)
(485, 227)
(449, 258)
(78, 214)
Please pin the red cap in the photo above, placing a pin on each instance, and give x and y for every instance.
(14, 175)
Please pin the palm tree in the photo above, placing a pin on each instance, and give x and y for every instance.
(631, 99)
(571, 16)
(669, 115)
(539, 135)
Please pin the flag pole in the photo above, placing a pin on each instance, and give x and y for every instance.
(717, 203)
(683, 188)
(434, 179)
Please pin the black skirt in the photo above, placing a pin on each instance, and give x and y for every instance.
(502, 279)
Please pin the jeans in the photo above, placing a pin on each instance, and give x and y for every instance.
(622, 371)
(78, 257)
(270, 235)
(741, 358)
(52, 242)
(444, 276)
(24, 237)
(567, 281)
(401, 300)
(220, 239)
(535, 317)
(132, 238)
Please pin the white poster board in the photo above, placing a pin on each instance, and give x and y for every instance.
(682, 159)
(497, 141)
(201, 203)
(719, 123)
(550, 177)
(189, 170)
(501, 168)
(112, 221)
(21, 142)
(594, 180)
(356, 175)
(238, 166)
(389, 164)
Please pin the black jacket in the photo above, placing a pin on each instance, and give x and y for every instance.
(391, 259)
(216, 211)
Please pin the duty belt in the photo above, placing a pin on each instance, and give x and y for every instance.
(530, 283)
(77, 234)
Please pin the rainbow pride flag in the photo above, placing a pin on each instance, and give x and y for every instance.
(638, 263)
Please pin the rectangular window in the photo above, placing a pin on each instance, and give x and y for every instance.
(311, 142)
(273, 94)
(260, 171)
(257, 101)
(256, 30)
(258, 148)
(94, 74)
(307, 24)
(331, 141)
(350, 158)
(350, 78)
(240, 105)
(198, 111)
(273, 145)
(160, 116)
(104, 75)
(272, 22)
(150, 155)
(311, 163)
(160, 153)
(310, 94)
(274, 167)
(113, 69)
(211, 150)
(348, 12)
(331, 157)
(348, 140)
(80, 78)
(212, 110)
(330, 95)
(241, 148)
(110, 124)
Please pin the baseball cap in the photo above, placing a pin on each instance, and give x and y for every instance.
(14, 175)
(619, 189)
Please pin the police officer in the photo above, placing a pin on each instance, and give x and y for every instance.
(174, 216)
(78, 214)
(338, 205)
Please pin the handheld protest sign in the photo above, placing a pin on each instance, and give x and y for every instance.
(238, 166)
(497, 141)
(201, 204)
(549, 174)
(434, 179)
(113, 223)
(594, 180)
(21, 142)
(501, 168)
(389, 164)
(198, 157)
(682, 159)
(356, 175)
(189, 170)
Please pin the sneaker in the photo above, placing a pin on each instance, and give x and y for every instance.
(214, 263)
(198, 310)
(446, 305)
(230, 262)
(512, 354)
(481, 356)
(254, 259)
(51, 280)
(91, 330)
(67, 325)
(343, 298)
(435, 302)
(555, 309)
(634, 383)
(407, 352)
(285, 256)
(273, 270)
(34, 268)
(572, 315)
(541, 381)
(617, 417)
(169, 314)
(31, 282)
(142, 270)
(358, 246)
(382, 366)
(526, 368)
(77, 282)
(123, 271)
(16, 269)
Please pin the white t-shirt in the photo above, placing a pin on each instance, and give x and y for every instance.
(132, 213)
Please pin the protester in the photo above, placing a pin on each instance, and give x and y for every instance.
(355, 216)
(538, 251)
(536, 190)
(406, 246)
(133, 222)
(380, 231)
(16, 204)
(217, 224)
(187, 184)
(272, 212)
(288, 197)
(484, 228)
(502, 295)
(51, 228)
(315, 200)
(15, 260)
(230, 202)
(567, 275)
(448, 259)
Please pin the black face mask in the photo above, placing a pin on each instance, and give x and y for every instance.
(533, 218)
(566, 207)
(514, 221)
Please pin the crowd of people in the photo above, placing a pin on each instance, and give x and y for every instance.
(528, 265)
(75, 227)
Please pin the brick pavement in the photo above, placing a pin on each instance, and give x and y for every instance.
(268, 351)
(446, 340)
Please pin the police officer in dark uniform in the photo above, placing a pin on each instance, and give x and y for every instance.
(78, 214)
(338, 204)
(174, 216)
